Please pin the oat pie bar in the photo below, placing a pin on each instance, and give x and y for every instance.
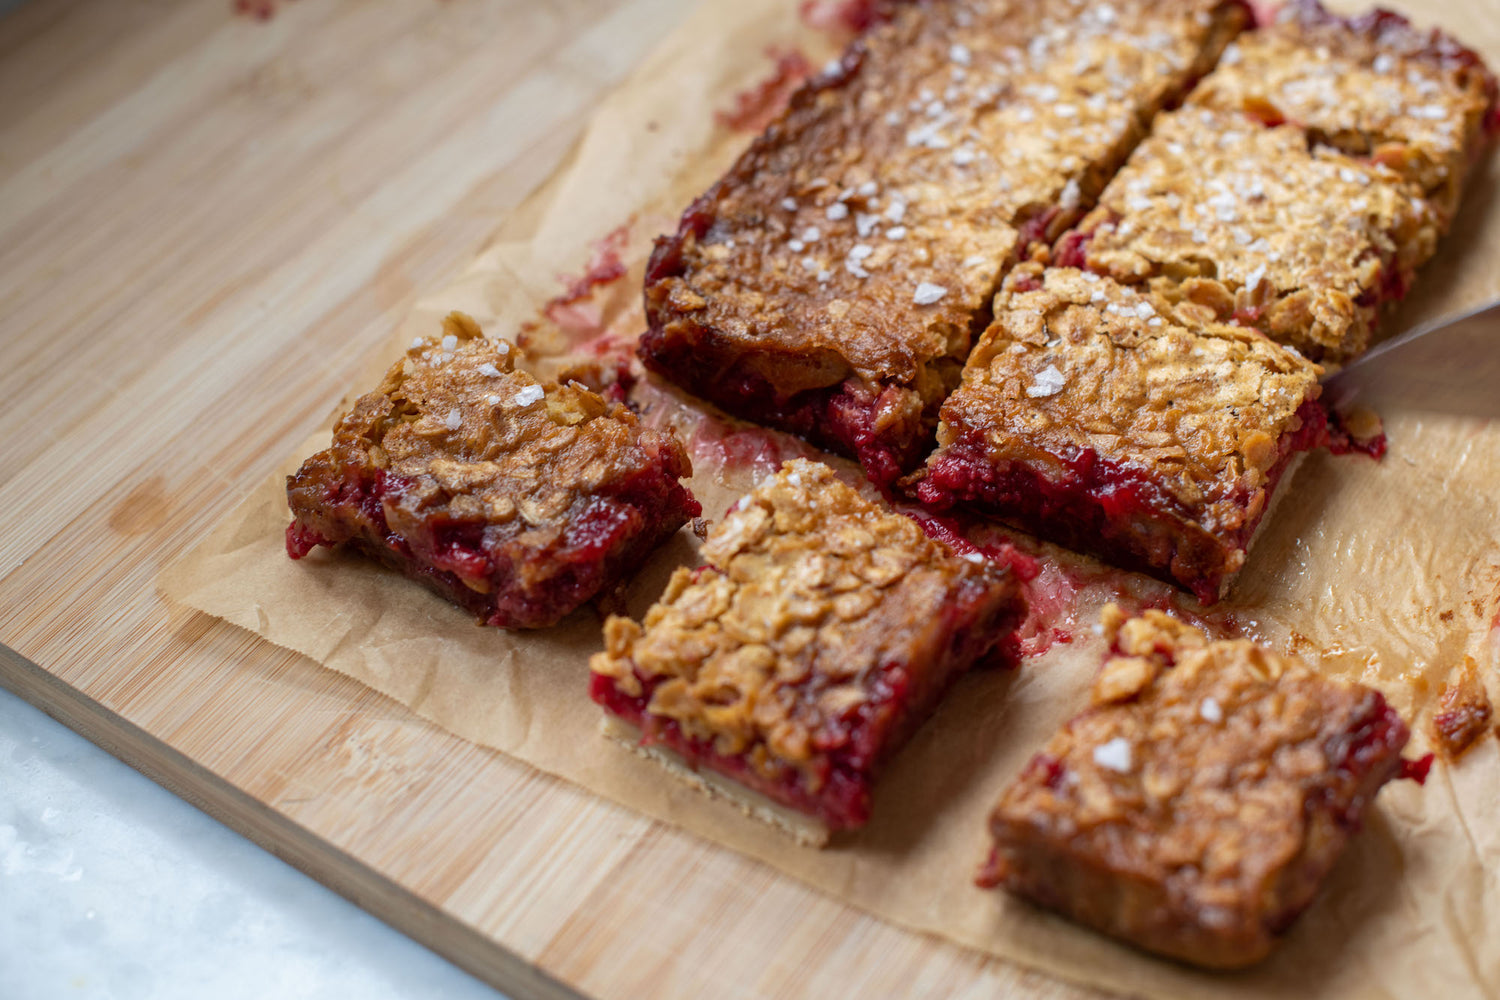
(516, 500)
(790, 668)
(1306, 245)
(1372, 86)
(1196, 806)
(830, 283)
(1104, 419)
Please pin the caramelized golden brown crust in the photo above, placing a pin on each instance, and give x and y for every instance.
(819, 635)
(1218, 209)
(1101, 417)
(860, 238)
(1195, 808)
(517, 500)
(1371, 86)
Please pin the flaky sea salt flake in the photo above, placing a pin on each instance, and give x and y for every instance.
(927, 293)
(1049, 382)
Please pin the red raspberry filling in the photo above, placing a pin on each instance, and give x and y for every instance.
(488, 569)
(1113, 510)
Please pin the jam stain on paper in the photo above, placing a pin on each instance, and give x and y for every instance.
(757, 106)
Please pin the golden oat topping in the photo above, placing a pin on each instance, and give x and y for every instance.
(810, 592)
(486, 442)
(1217, 208)
(863, 231)
(1374, 86)
(1075, 361)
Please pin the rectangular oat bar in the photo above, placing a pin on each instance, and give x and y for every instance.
(1217, 208)
(1371, 86)
(516, 500)
(1197, 805)
(830, 283)
(1097, 416)
(818, 637)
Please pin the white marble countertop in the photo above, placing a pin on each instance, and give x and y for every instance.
(112, 887)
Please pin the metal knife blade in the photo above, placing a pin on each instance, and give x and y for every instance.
(1451, 364)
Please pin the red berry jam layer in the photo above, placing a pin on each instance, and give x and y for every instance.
(1115, 511)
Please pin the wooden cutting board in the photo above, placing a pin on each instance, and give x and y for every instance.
(206, 220)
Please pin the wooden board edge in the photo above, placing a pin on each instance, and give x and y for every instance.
(360, 884)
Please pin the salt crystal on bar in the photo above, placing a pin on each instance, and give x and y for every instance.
(838, 210)
(492, 400)
(927, 293)
(530, 394)
(1049, 382)
(1210, 710)
(489, 369)
(1114, 755)
(502, 347)
(790, 204)
(450, 343)
(454, 420)
(959, 54)
(417, 343)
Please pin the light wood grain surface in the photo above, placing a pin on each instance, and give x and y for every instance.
(205, 224)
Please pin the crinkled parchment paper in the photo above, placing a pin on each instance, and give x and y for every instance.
(1387, 572)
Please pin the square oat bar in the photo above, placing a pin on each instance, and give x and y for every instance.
(819, 636)
(1096, 416)
(831, 282)
(1197, 805)
(1217, 208)
(1371, 86)
(515, 500)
